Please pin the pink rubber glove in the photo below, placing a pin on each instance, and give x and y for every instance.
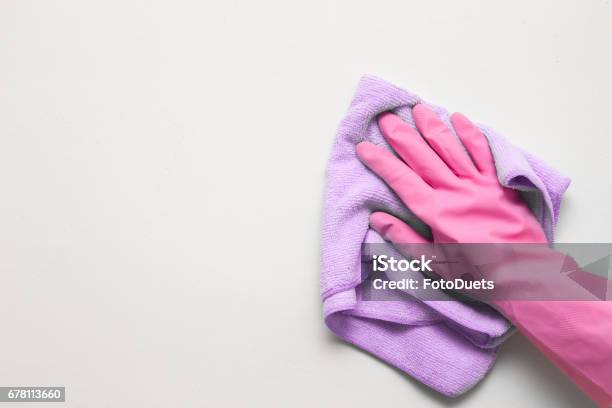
(462, 201)
(457, 193)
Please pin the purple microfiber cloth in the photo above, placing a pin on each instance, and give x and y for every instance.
(446, 344)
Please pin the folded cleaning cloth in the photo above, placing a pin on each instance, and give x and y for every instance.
(446, 344)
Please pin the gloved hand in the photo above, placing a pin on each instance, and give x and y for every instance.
(454, 189)
(458, 197)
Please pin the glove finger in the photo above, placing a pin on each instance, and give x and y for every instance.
(443, 141)
(405, 239)
(394, 230)
(411, 189)
(414, 150)
(475, 143)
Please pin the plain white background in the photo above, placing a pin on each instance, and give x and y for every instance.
(162, 170)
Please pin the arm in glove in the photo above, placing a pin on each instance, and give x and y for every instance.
(451, 184)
